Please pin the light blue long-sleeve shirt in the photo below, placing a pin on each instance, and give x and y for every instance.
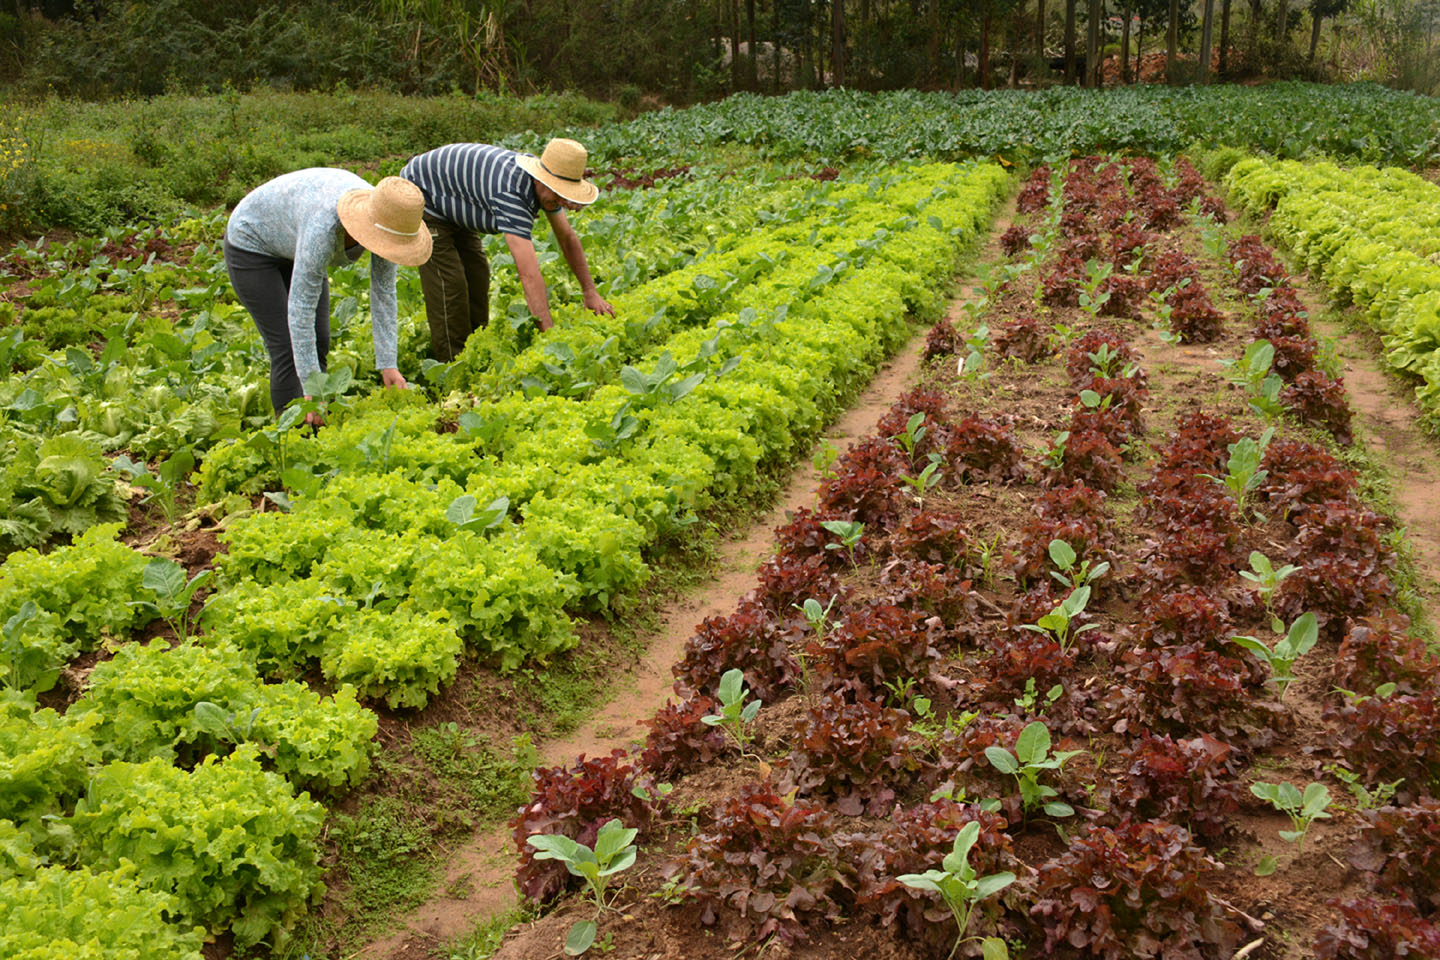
(293, 217)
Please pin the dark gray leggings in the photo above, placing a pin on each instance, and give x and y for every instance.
(262, 284)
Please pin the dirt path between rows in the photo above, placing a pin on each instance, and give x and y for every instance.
(483, 868)
(1388, 419)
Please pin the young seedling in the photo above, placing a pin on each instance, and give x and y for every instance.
(1058, 622)
(1092, 300)
(1105, 362)
(914, 432)
(1268, 578)
(165, 579)
(987, 553)
(1091, 400)
(164, 484)
(1031, 758)
(817, 616)
(1160, 302)
(1365, 798)
(1281, 658)
(1244, 476)
(1063, 556)
(849, 532)
(972, 365)
(614, 851)
(1027, 701)
(735, 714)
(1250, 371)
(927, 480)
(961, 888)
(1302, 809)
(1054, 456)
(825, 457)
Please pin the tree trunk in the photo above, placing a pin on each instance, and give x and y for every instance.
(1252, 31)
(932, 43)
(1224, 37)
(837, 42)
(775, 51)
(1070, 41)
(1282, 24)
(1125, 49)
(1092, 42)
(1039, 33)
(734, 44)
(863, 58)
(754, 77)
(1207, 32)
(1139, 50)
(1172, 41)
(983, 67)
(1314, 33)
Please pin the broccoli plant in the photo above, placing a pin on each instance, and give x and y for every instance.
(1244, 475)
(961, 889)
(165, 579)
(1058, 623)
(1063, 556)
(1031, 758)
(614, 851)
(735, 714)
(1267, 577)
(1302, 809)
(1281, 657)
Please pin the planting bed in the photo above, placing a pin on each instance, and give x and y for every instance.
(1140, 382)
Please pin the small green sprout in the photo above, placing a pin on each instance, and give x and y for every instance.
(735, 714)
(1302, 809)
(849, 532)
(1063, 556)
(1281, 658)
(1058, 622)
(1268, 578)
(961, 889)
(1031, 758)
(614, 851)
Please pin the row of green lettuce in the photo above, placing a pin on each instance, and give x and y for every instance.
(121, 345)
(162, 807)
(1373, 236)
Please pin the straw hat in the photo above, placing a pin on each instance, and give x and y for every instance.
(561, 167)
(388, 220)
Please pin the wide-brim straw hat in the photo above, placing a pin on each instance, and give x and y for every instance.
(388, 220)
(561, 167)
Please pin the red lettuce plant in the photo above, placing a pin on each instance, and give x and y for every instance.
(1300, 473)
(1293, 356)
(930, 588)
(865, 485)
(1381, 650)
(1015, 240)
(786, 581)
(1035, 194)
(1401, 847)
(1137, 889)
(876, 643)
(1371, 929)
(854, 751)
(576, 801)
(1089, 457)
(1019, 657)
(1187, 781)
(679, 741)
(773, 861)
(1319, 400)
(932, 536)
(751, 640)
(1025, 338)
(1395, 736)
(940, 341)
(1193, 317)
(980, 447)
(1342, 558)
(1061, 286)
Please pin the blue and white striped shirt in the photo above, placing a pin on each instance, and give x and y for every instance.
(477, 186)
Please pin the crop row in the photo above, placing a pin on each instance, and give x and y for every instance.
(890, 753)
(1372, 236)
(131, 342)
(382, 571)
(1362, 121)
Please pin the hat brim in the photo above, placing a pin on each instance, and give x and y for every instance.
(584, 192)
(354, 209)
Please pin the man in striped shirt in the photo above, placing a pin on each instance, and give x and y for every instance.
(474, 188)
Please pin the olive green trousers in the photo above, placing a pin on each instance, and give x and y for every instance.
(456, 284)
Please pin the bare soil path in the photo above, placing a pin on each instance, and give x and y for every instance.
(479, 873)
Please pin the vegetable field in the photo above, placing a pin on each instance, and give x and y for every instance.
(1106, 643)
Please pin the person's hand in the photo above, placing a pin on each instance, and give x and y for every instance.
(598, 304)
(391, 377)
(314, 418)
